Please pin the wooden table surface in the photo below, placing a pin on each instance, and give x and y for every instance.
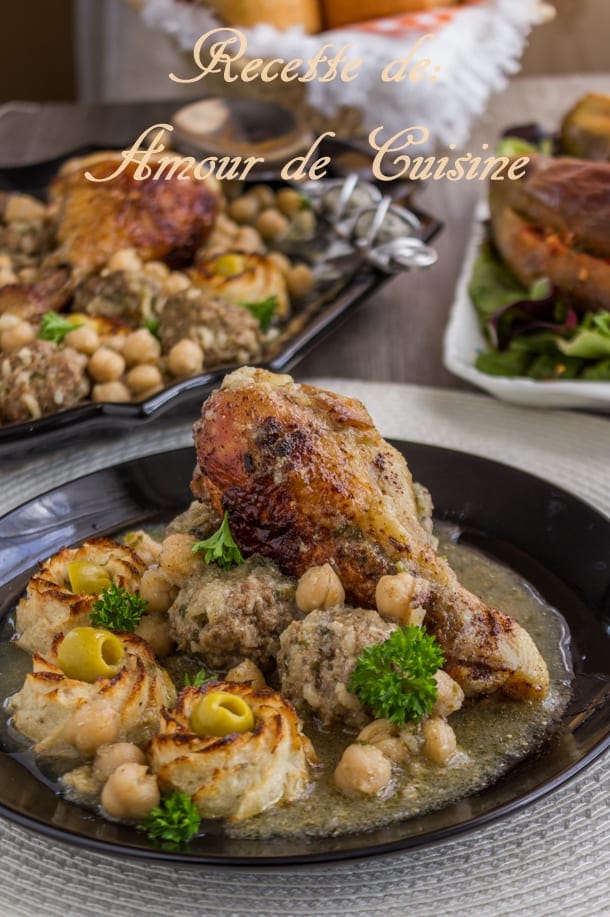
(396, 335)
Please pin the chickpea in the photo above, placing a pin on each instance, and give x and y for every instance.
(300, 281)
(247, 671)
(114, 392)
(450, 696)
(384, 736)
(177, 559)
(109, 757)
(141, 347)
(271, 224)
(84, 339)
(375, 730)
(281, 262)
(157, 270)
(439, 740)
(7, 277)
(146, 547)
(127, 259)
(225, 225)
(6, 263)
(92, 725)
(105, 365)
(143, 377)
(244, 209)
(264, 194)
(176, 283)
(393, 596)
(319, 587)
(185, 359)
(248, 239)
(363, 769)
(157, 590)
(130, 792)
(154, 628)
(18, 336)
(289, 201)
(217, 244)
(115, 342)
(22, 207)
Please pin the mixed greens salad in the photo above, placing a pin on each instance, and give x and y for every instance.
(534, 333)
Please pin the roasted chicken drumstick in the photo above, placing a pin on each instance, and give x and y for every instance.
(307, 479)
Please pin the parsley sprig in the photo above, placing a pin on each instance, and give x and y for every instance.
(152, 325)
(264, 310)
(174, 821)
(198, 679)
(395, 679)
(54, 327)
(220, 547)
(118, 609)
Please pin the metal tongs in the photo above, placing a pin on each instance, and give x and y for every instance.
(367, 228)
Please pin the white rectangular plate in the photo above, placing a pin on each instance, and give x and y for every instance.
(463, 342)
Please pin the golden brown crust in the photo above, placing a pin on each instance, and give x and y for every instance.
(166, 218)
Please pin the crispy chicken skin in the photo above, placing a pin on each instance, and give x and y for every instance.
(166, 218)
(307, 479)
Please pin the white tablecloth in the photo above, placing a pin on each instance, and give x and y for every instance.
(551, 858)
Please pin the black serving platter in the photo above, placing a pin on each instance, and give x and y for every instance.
(560, 544)
(310, 323)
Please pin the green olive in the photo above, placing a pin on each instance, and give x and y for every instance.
(87, 578)
(87, 653)
(219, 713)
(229, 265)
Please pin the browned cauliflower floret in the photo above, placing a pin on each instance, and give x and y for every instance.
(229, 615)
(318, 655)
(40, 379)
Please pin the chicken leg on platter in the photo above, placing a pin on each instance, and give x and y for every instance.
(307, 479)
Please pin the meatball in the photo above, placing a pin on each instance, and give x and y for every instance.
(318, 655)
(227, 333)
(226, 616)
(131, 296)
(40, 379)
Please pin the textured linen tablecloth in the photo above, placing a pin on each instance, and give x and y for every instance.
(551, 858)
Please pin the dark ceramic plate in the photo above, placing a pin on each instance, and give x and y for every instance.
(310, 323)
(562, 546)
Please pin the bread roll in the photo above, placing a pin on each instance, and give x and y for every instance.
(282, 15)
(344, 12)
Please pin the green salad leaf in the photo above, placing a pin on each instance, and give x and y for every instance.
(534, 333)
(592, 338)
